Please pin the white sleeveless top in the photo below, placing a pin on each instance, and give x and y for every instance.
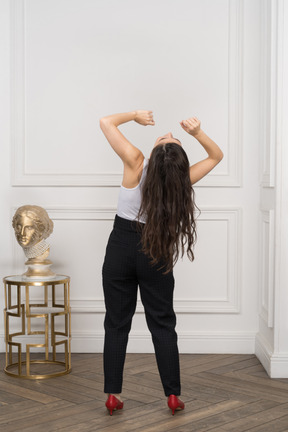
(129, 199)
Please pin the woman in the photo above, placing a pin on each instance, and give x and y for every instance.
(153, 226)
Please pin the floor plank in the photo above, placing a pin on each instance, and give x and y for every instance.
(222, 393)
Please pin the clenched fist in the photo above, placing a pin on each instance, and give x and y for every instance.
(191, 125)
(144, 118)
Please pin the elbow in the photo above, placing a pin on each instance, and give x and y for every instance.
(219, 156)
(104, 123)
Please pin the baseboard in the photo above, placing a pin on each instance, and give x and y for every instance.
(263, 352)
(189, 342)
(275, 364)
(217, 342)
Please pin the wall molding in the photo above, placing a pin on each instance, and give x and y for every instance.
(22, 177)
(207, 342)
(267, 253)
(229, 304)
(268, 102)
(276, 365)
(188, 342)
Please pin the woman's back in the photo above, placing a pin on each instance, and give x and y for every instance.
(129, 200)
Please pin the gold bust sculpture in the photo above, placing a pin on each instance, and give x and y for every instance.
(32, 227)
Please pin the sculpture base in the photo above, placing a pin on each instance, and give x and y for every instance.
(39, 271)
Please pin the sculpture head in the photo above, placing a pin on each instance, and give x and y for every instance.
(31, 225)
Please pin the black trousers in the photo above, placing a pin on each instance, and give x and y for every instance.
(125, 268)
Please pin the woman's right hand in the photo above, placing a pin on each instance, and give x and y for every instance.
(144, 118)
(191, 125)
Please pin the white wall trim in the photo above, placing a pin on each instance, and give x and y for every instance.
(267, 249)
(22, 177)
(235, 93)
(275, 364)
(189, 342)
(268, 102)
(281, 202)
(263, 352)
(229, 304)
(274, 354)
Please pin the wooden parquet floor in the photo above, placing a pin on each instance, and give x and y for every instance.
(222, 393)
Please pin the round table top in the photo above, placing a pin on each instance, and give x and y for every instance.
(20, 280)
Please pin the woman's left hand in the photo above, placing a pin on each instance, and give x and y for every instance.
(191, 125)
(144, 118)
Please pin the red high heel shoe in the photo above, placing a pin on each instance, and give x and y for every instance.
(175, 403)
(113, 403)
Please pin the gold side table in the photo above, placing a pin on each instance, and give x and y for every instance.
(35, 323)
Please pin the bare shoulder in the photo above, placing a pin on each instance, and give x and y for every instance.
(132, 172)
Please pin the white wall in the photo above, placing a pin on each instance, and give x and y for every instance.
(72, 62)
(272, 338)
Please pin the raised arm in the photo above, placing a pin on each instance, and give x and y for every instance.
(120, 144)
(215, 154)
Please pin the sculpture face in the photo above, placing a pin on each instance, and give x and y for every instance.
(32, 226)
(26, 231)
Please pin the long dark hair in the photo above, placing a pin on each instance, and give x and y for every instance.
(168, 207)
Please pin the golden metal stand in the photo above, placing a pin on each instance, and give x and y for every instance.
(25, 314)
